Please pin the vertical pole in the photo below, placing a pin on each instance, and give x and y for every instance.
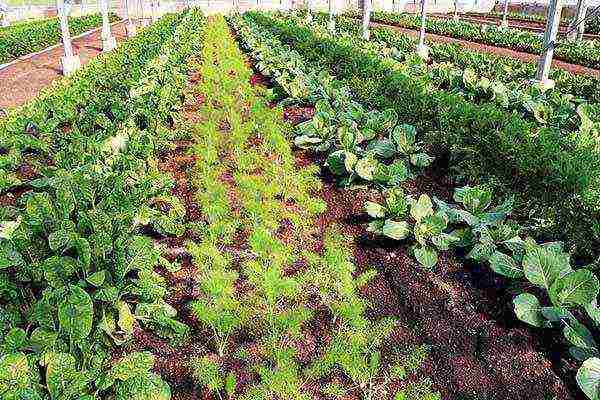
(70, 62)
(130, 26)
(4, 17)
(331, 23)
(504, 24)
(456, 17)
(577, 24)
(366, 19)
(108, 40)
(422, 49)
(545, 61)
(309, 11)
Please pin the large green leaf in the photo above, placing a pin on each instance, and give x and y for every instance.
(75, 314)
(575, 288)
(421, 208)
(544, 264)
(396, 230)
(588, 378)
(426, 256)
(505, 265)
(528, 309)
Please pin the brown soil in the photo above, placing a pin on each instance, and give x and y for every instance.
(23, 80)
(573, 68)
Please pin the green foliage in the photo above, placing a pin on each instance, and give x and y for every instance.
(75, 264)
(29, 37)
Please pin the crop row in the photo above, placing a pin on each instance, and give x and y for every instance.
(491, 66)
(255, 199)
(76, 270)
(592, 25)
(541, 164)
(472, 223)
(27, 38)
(583, 52)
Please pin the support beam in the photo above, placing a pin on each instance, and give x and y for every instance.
(366, 20)
(4, 22)
(422, 49)
(504, 24)
(545, 61)
(456, 17)
(331, 23)
(131, 30)
(108, 40)
(577, 25)
(70, 62)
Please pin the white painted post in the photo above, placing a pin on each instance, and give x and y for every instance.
(4, 15)
(545, 61)
(422, 49)
(504, 24)
(577, 32)
(108, 40)
(366, 19)
(131, 31)
(70, 62)
(331, 23)
(456, 17)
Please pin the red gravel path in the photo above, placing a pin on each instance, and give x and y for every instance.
(573, 68)
(23, 80)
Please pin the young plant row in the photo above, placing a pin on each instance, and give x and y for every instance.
(76, 269)
(546, 108)
(583, 52)
(85, 108)
(360, 145)
(482, 142)
(27, 38)
(279, 300)
(474, 224)
(491, 66)
(592, 25)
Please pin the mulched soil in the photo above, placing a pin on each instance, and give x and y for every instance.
(573, 68)
(23, 80)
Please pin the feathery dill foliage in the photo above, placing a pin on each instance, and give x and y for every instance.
(263, 292)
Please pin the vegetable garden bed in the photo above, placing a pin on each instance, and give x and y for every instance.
(268, 211)
(27, 38)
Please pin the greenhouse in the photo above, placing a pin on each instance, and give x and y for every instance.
(299, 200)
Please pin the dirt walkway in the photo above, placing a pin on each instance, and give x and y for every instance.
(23, 80)
(573, 68)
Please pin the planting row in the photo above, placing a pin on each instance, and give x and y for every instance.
(499, 68)
(592, 25)
(542, 164)
(76, 266)
(577, 52)
(27, 38)
(380, 147)
(278, 309)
